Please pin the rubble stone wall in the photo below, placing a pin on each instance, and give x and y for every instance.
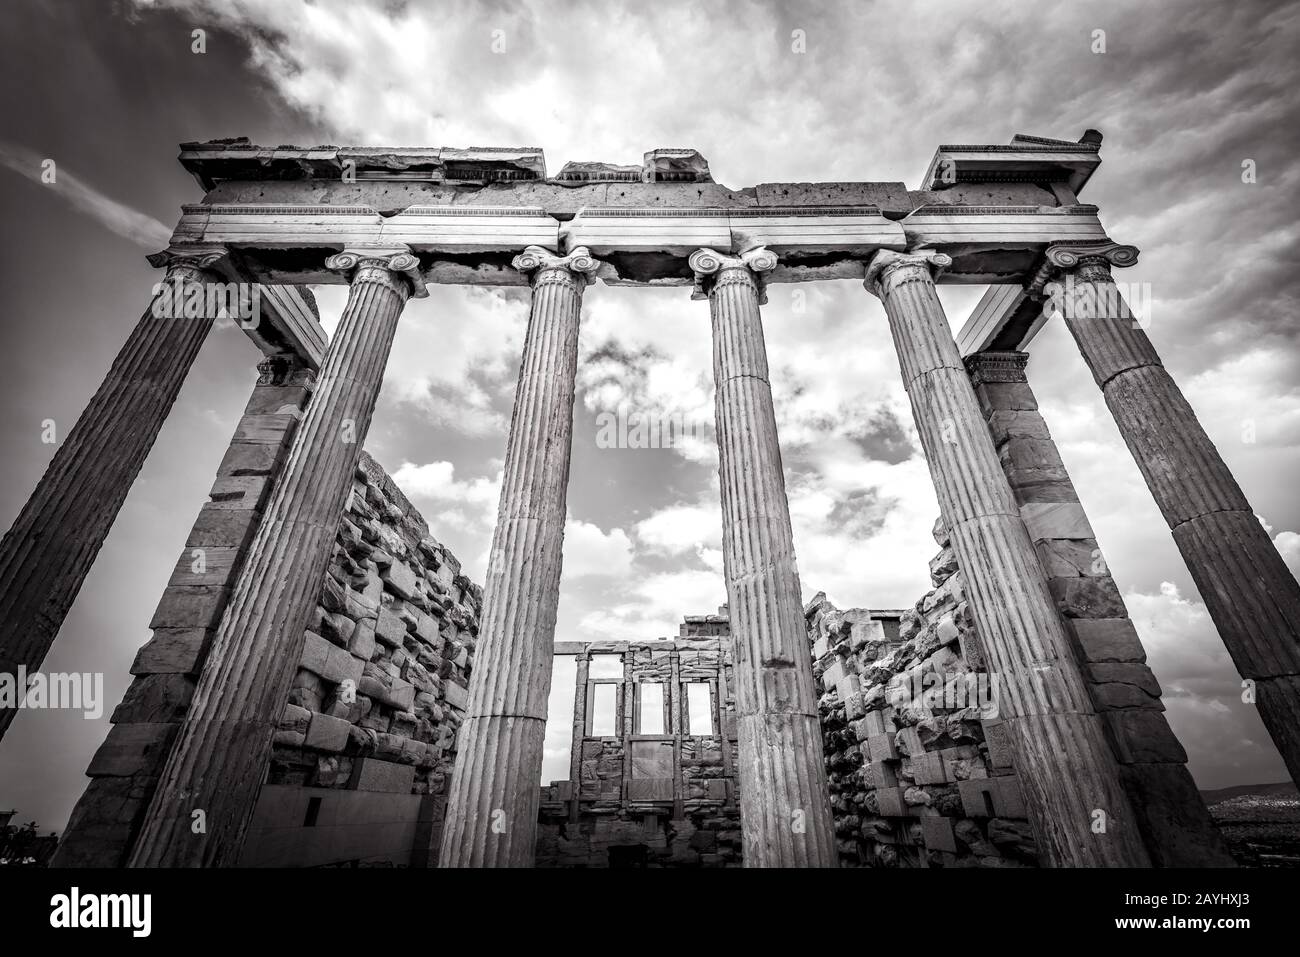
(919, 775)
(365, 747)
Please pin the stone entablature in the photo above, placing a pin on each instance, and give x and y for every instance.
(1028, 159)
(218, 161)
(472, 245)
(465, 213)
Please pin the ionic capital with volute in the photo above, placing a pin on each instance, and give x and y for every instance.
(393, 266)
(713, 269)
(576, 268)
(888, 268)
(1086, 262)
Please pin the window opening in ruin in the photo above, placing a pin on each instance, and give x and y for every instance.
(651, 711)
(559, 726)
(604, 710)
(313, 812)
(605, 666)
(699, 708)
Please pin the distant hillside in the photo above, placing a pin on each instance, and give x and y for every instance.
(1259, 822)
(1283, 789)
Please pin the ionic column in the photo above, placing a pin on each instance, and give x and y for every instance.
(1251, 595)
(220, 755)
(1071, 785)
(492, 805)
(785, 802)
(48, 552)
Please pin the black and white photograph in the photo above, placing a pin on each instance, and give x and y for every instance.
(855, 441)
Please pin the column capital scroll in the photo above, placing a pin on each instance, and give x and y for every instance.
(1089, 262)
(381, 265)
(284, 368)
(747, 266)
(541, 265)
(192, 260)
(887, 265)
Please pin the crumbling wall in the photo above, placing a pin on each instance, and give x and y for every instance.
(918, 771)
(365, 747)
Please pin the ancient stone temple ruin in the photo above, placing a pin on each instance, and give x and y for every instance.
(325, 686)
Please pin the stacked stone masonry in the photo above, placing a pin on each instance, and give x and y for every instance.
(365, 745)
(380, 691)
(919, 775)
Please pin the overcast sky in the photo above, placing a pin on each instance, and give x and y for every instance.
(1184, 93)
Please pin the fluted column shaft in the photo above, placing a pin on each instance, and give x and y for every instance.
(492, 805)
(785, 802)
(46, 555)
(219, 759)
(1251, 595)
(1080, 813)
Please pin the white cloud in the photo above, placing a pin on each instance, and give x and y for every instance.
(682, 528)
(589, 552)
(436, 481)
(653, 605)
(1288, 543)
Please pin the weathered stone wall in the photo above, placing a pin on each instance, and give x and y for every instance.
(918, 775)
(378, 696)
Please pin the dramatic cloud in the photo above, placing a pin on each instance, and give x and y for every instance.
(591, 553)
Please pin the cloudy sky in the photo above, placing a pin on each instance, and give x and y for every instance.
(1184, 93)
